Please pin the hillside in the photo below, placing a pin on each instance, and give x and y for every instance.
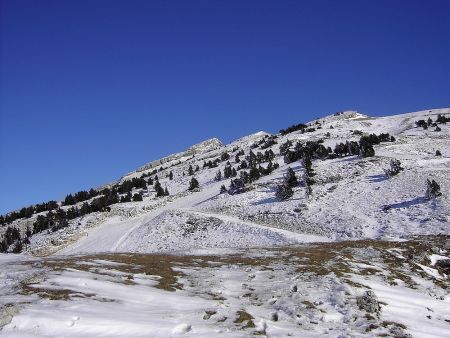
(349, 247)
(351, 199)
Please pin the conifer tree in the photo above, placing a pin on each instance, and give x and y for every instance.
(218, 176)
(233, 172)
(395, 168)
(290, 178)
(193, 184)
(137, 197)
(159, 190)
(254, 174)
(433, 189)
(308, 174)
(284, 191)
(171, 175)
(190, 170)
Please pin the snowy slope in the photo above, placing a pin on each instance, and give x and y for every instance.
(204, 264)
(352, 199)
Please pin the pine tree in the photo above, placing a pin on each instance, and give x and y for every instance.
(218, 176)
(171, 175)
(223, 189)
(237, 186)
(433, 189)
(166, 192)
(227, 171)
(224, 157)
(284, 191)
(3, 246)
(395, 168)
(137, 197)
(159, 190)
(308, 174)
(193, 184)
(190, 171)
(291, 179)
(367, 151)
(254, 174)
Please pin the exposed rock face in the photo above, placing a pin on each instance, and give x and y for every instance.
(199, 148)
(204, 147)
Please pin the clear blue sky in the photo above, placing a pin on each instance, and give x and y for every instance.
(92, 89)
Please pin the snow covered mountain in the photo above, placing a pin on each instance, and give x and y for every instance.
(352, 197)
(364, 201)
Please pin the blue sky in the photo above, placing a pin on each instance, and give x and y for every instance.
(90, 90)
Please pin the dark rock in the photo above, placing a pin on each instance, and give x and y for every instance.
(368, 302)
(443, 266)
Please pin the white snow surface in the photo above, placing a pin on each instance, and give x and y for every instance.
(352, 200)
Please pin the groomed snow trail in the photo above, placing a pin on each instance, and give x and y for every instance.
(115, 235)
(108, 236)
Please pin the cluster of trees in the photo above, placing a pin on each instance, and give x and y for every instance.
(366, 143)
(293, 128)
(211, 164)
(12, 236)
(80, 196)
(362, 148)
(223, 157)
(191, 170)
(266, 142)
(269, 142)
(160, 192)
(284, 190)
(314, 149)
(137, 197)
(229, 171)
(258, 158)
(304, 152)
(441, 119)
(27, 212)
(134, 183)
(57, 219)
(238, 185)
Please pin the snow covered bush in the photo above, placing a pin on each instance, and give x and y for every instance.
(395, 168)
